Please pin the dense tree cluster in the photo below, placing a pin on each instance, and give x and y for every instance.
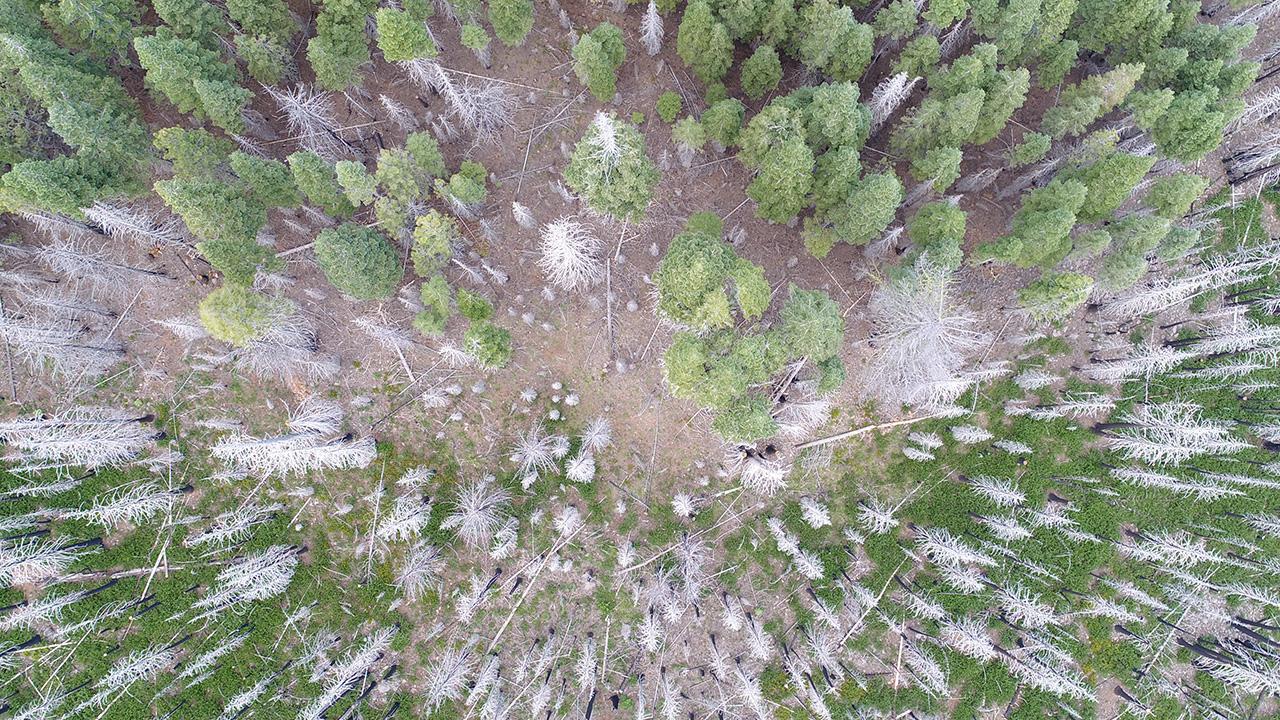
(402, 35)
(359, 261)
(804, 147)
(821, 35)
(969, 102)
(59, 93)
(705, 287)
(340, 45)
(596, 59)
(1179, 80)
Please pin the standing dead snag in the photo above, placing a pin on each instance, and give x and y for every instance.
(922, 337)
(478, 512)
(651, 29)
(570, 255)
(888, 96)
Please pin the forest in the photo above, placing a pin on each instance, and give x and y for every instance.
(644, 359)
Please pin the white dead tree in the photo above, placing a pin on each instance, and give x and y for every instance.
(33, 559)
(759, 473)
(420, 571)
(139, 224)
(815, 514)
(920, 335)
(232, 526)
(1170, 433)
(311, 118)
(341, 676)
(581, 468)
(88, 259)
(968, 636)
(1145, 361)
(1255, 14)
(127, 505)
(41, 612)
(313, 443)
(567, 521)
(943, 547)
(446, 677)
(804, 411)
(597, 436)
(804, 562)
(888, 96)
(1252, 672)
(1024, 607)
(67, 347)
(876, 517)
(53, 225)
(1034, 379)
(879, 248)
(570, 255)
(286, 348)
(88, 437)
(59, 301)
(970, 434)
(954, 39)
(409, 515)
(200, 667)
(1000, 491)
(485, 108)
(1247, 336)
(398, 113)
(1045, 667)
(602, 137)
(1261, 159)
(537, 453)
(523, 216)
(389, 337)
(186, 328)
(137, 666)
(651, 29)
(249, 579)
(478, 511)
